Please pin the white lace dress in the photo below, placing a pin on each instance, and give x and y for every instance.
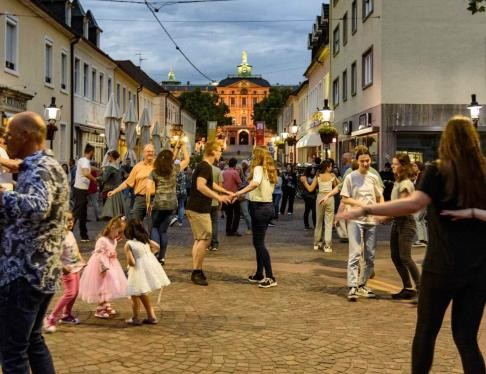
(147, 275)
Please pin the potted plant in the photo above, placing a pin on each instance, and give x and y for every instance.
(327, 133)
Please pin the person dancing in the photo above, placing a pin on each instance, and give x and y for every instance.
(455, 261)
(263, 176)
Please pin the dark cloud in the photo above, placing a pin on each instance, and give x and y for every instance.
(276, 50)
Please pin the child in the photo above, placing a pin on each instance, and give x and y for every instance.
(72, 263)
(103, 279)
(145, 274)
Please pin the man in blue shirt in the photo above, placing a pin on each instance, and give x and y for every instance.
(30, 248)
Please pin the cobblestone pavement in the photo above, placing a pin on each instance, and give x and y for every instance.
(305, 325)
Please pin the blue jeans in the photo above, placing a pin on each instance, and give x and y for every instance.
(276, 197)
(160, 224)
(22, 311)
(245, 213)
(181, 201)
(139, 208)
(261, 215)
(362, 242)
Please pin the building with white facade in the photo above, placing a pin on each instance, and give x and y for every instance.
(400, 70)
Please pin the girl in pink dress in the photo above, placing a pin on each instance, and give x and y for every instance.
(103, 279)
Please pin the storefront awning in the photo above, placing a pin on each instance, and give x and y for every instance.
(311, 139)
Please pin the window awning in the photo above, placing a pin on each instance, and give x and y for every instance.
(310, 139)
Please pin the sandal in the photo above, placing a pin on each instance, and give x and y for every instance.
(101, 313)
(133, 321)
(150, 321)
(110, 310)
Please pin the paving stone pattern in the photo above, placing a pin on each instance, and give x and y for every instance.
(304, 325)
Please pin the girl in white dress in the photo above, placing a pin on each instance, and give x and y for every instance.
(145, 274)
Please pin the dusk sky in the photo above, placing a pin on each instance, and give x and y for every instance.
(277, 50)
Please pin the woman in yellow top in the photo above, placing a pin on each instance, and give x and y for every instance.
(263, 176)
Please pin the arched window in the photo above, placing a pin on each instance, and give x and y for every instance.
(244, 91)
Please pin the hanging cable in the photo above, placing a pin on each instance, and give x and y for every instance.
(149, 6)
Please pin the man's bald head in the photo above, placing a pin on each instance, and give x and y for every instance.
(30, 124)
(26, 134)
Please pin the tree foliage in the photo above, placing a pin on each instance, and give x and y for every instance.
(268, 109)
(205, 107)
(476, 6)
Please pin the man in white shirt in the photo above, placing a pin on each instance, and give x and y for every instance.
(361, 188)
(80, 191)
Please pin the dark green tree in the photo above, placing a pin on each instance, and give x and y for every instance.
(476, 6)
(268, 109)
(205, 107)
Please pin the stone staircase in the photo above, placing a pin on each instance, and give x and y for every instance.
(240, 152)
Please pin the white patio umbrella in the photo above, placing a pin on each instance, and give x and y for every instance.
(166, 137)
(144, 125)
(112, 126)
(131, 132)
(156, 137)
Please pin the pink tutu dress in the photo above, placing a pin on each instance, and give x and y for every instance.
(95, 287)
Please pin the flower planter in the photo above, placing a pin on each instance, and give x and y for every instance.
(326, 138)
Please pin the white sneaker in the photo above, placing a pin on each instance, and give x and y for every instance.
(366, 292)
(353, 294)
(419, 244)
(327, 248)
(267, 283)
(173, 221)
(316, 247)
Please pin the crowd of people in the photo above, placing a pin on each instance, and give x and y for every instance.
(38, 247)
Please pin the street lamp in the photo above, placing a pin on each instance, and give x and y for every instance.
(291, 139)
(327, 132)
(327, 113)
(52, 114)
(474, 108)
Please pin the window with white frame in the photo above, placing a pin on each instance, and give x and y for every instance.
(354, 78)
(64, 70)
(367, 66)
(335, 42)
(48, 62)
(86, 27)
(335, 92)
(11, 43)
(108, 89)
(354, 16)
(367, 8)
(118, 94)
(102, 83)
(93, 84)
(124, 98)
(345, 28)
(68, 13)
(129, 96)
(345, 85)
(77, 67)
(85, 80)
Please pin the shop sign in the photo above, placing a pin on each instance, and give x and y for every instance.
(260, 133)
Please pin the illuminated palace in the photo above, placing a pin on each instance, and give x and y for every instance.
(240, 93)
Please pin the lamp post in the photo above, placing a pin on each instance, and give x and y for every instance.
(291, 139)
(52, 114)
(326, 117)
(475, 109)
